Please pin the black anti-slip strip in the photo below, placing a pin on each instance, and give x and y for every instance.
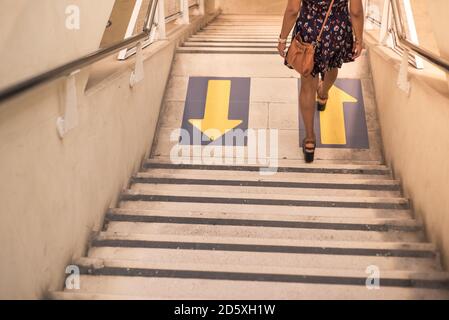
(258, 169)
(261, 223)
(235, 276)
(266, 202)
(142, 244)
(270, 184)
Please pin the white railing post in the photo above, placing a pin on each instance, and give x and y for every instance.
(184, 19)
(162, 34)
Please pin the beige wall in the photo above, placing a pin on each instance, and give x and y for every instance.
(34, 37)
(54, 192)
(424, 25)
(415, 135)
(438, 10)
(269, 7)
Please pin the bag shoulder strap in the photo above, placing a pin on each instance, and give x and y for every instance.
(325, 20)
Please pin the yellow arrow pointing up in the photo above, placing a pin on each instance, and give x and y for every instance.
(332, 120)
(216, 121)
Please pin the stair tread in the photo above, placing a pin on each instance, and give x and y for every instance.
(283, 164)
(268, 217)
(218, 195)
(367, 213)
(258, 37)
(212, 230)
(373, 245)
(245, 177)
(264, 188)
(226, 50)
(212, 39)
(227, 44)
(286, 162)
(99, 264)
(233, 255)
(197, 289)
(292, 177)
(74, 295)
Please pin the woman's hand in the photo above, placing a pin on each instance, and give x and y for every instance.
(281, 48)
(357, 50)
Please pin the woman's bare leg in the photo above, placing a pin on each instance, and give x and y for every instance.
(328, 82)
(307, 101)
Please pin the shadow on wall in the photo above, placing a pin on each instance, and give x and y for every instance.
(269, 7)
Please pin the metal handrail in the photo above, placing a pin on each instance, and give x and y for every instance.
(410, 46)
(70, 67)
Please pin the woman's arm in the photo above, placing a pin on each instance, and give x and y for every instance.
(358, 20)
(290, 16)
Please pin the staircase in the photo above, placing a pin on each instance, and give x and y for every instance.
(234, 34)
(196, 231)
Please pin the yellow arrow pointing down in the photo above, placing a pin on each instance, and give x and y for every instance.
(332, 120)
(216, 121)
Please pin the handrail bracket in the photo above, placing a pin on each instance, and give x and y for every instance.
(70, 119)
(138, 74)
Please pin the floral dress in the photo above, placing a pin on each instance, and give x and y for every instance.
(337, 41)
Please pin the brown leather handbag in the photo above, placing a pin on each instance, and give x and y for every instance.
(301, 55)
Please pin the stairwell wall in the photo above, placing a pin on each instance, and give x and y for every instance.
(267, 7)
(54, 192)
(415, 135)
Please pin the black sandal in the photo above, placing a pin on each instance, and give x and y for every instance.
(321, 102)
(309, 153)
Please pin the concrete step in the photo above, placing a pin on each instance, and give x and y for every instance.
(207, 228)
(199, 289)
(255, 24)
(180, 257)
(167, 281)
(179, 183)
(268, 252)
(231, 40)
(357, 223)
(283, 166)
(286, 177)
(227, 50)
(296, 211)
(282, 163)
(272, 33)
(241, 37)
(271, 220)
(74, 295)
(249, 17)
(228, 45)
(435, 279)
(380, 249)
(278, 180)
(192, 196)
(239, 27)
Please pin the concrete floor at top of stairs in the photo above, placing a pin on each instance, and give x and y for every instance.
(273, 102)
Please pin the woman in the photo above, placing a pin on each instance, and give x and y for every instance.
(341, 42)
